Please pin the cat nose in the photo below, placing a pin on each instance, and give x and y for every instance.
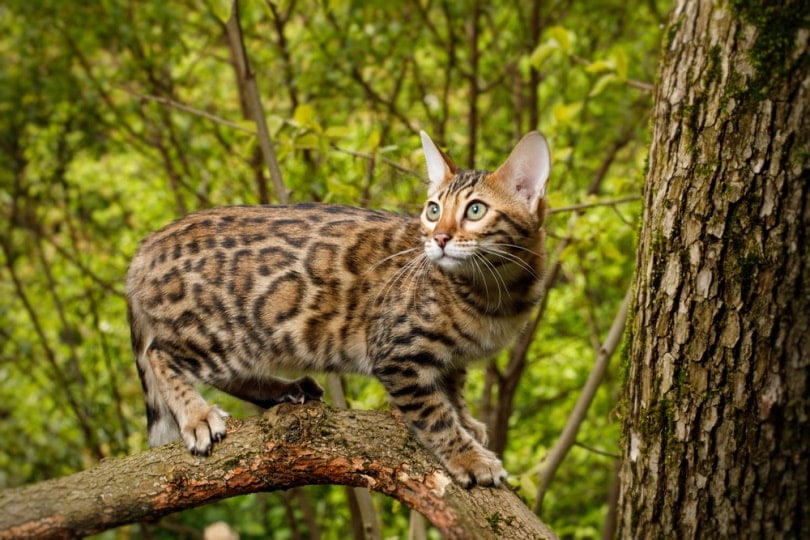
(441, 238)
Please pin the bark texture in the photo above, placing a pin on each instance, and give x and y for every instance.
(718, 391)
(288, 446)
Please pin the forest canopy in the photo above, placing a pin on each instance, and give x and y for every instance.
(118, 117)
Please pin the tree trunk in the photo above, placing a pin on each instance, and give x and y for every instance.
(718, 389)
(288, 446)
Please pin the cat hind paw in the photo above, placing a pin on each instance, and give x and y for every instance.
(298, 391)
(199, 436)
(302, 390)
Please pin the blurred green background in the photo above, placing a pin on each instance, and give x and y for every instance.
(117, 117)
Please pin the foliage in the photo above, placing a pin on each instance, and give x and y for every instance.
(118, 117)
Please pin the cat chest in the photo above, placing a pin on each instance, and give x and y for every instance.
(443, 331)
(492, 334)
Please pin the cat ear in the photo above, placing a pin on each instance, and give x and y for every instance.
(527, 168)
(440, 167)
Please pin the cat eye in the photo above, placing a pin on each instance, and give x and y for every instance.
(476, 211)
(433, 211)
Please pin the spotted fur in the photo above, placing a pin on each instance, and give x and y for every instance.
(231, 295)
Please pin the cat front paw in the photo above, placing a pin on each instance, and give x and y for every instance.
(476, 467)
(200, 434)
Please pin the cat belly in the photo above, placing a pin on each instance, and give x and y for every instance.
(237, 345)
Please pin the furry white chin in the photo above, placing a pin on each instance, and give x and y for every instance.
(449, 258)
(456, 265)
(450, 263)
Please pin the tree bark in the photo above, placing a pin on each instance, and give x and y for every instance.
(718, 390)
(288, 446)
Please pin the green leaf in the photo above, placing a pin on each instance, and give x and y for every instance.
(373, 141)
(527, 485)
(222, 9)
(621, 63)
(308, 141)
(599, 66)
(388, 149)
(274, 124)
(564, 113)
(562, 154)
(542, 52)
(304, 115)
(338, 132)
(601, 83)
(563, 38)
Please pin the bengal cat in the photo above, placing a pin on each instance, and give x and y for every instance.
(230, 295)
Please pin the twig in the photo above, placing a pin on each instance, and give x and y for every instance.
(585, 206)
(248, 78)
(186, 108)
(641, 85)
(391, 163)
(596, 451)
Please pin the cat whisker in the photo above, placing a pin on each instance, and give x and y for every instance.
(500, 279)
(510, 257)
(499, 282)
(404, 275)
(397, 254)
(421, 272)
(382, 294)
(479, 271)
(412, 277)
(504, 244)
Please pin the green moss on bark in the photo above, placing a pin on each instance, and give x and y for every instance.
(777, 25)
(658, 420)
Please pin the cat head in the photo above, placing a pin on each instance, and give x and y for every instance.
(475, 218)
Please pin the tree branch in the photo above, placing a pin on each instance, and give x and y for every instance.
(586, 206)
(288, 446)
(187, 108)
(247, 79)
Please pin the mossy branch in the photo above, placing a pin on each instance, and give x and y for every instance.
(288, 446)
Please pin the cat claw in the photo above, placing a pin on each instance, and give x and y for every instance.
(200, 436)
(477, 468)
(310, 389)
(297, 392)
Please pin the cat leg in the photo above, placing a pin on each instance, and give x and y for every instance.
(160, 422)
(200, 424)
(418, 392)
(453, 382)
(269, 391)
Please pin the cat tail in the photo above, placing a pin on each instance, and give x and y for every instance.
(160, 421)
